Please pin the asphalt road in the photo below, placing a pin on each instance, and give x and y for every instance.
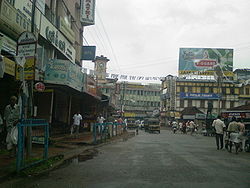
(152, 160)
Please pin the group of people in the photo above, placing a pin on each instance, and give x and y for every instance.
(8, 124)
(234, 133)
(185, 126)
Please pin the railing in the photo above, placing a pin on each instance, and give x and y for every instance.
(102, 131)
(20, 164)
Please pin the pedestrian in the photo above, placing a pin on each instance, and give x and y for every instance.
(1, 132)
(219, 127)
(233, 129)
(100, 119)
(191, 126)
(77, 119)
(242, 133)
(11, 117)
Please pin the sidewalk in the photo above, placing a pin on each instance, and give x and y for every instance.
(66, 145)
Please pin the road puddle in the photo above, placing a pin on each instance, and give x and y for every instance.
(86, 155)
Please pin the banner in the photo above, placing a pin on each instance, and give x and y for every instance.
(122, 77)
(202, 61)
(199, 95)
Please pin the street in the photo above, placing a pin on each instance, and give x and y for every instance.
(151, 160)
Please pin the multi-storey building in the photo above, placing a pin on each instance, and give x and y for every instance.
(58, 27)
(197, 93)
(138, 100)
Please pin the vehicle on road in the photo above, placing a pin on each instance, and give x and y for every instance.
(152, 125)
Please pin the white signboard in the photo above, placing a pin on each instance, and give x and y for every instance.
(88, 12)
(25, 6)
(57, 39)
(26, 45)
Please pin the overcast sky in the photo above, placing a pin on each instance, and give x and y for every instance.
(143, 37)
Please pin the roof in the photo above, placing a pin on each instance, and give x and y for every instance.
(242, 107)
(191, 111)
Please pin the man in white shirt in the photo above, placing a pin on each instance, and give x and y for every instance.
(77, 118)
(219, 126)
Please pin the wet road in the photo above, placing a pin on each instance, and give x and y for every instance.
(153, 160)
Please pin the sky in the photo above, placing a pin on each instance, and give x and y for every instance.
(143, 37)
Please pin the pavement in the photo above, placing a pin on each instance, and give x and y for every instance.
(64, 145)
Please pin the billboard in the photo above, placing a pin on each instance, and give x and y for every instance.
(201, 61)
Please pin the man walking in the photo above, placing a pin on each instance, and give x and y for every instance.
(77, 118)
(219, 129)
(11, 116)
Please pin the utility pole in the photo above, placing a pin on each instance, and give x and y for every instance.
(122, 97)
(30, 90)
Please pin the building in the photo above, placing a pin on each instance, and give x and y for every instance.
(179, 93)
(58, 27)
(138, 100)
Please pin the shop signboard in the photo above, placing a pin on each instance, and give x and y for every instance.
(26, 48)
(12, 21)
(8, 45)
(88, 53)
(57, 39)
(201, 61)
(88, 12)
(64, 72)
(199, 95)
(66, 30)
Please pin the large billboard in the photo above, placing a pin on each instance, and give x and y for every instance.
(201, 61)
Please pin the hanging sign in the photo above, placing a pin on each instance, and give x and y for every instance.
(39, 86)
(26, 48)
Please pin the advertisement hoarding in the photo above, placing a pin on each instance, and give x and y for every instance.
(201, 61)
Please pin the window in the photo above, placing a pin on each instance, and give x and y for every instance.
(223, 90)
(182, 89)
(182, 103)
(202, 89)
(247, 91)
(231, 104)
(241, 91)
(210, 90)
(202, 104)
(232, 91)
(189, 103)
(223, 104)
(190, 89)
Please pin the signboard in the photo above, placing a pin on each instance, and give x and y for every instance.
(199, 95)
(26, 47)
(88, 53)
(39, 86)
(201, 61)
(65, 73)
(8, 45)
(88, 12)
(25, 6)
(12, 21)
(56, 38)
(66, 30)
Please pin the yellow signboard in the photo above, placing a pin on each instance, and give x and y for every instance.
(206, 73)
(9, 66)
(29, 70)
(127, 114)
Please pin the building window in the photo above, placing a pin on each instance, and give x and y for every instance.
(190, 89)
(223, 90)
(202, 89)
(202, 104)
(182, 103)
(247, 91)
(210, 89)
(231, 104)
(241, 91)
(232, 92)
(223, 104)
(189, 103)
(182, 89)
